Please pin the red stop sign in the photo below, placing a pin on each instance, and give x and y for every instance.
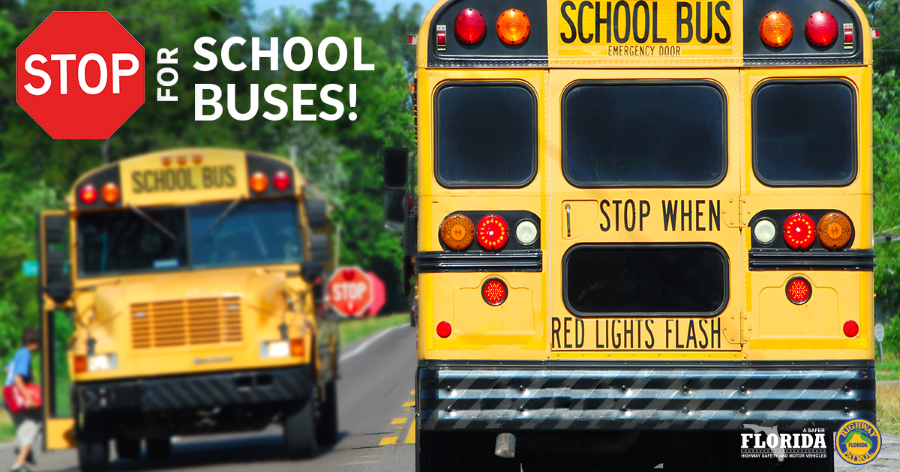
(80, 75)
(350, 291)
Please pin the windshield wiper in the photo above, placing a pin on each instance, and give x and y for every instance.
(156, 225)
(221, 217)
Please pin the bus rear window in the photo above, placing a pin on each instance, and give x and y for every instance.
(645, 280)
(804, 134)
(648, 134)
(486, 135)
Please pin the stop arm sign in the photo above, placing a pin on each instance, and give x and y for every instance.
(350, 291)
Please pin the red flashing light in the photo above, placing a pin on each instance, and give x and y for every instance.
(492, 232)
(494, 292)
(348, 274)
(821, 29)
(444, 329)
(88, 194)
(851, 329)
(798, 290)
(281, 180)
(470, 26)
(799, 231)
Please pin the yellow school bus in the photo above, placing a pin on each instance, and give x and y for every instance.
(640, 225)
(181, 293)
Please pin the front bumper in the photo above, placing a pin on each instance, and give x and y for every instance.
(199, 391)
(642, 396)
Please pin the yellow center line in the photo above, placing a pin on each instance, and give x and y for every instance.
(409, 404)
(411, 436)
(413, 392)
(388, 441)
(398, 421)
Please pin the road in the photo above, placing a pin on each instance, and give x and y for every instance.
(375, 416)
(375, 413)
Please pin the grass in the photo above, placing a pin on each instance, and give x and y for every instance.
(890, 368)
(7, 429)
(888, 409)
(353, 329)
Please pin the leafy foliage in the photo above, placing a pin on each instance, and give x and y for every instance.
(342, 157)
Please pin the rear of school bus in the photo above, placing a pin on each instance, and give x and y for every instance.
(181, 294)
(642, 225)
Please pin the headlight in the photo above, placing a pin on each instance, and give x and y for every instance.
(270, 349)
(101, 362)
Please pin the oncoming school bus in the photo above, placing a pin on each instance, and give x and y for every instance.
(637, 227)
(181, 293)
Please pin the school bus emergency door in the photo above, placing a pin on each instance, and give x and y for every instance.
(640, 216)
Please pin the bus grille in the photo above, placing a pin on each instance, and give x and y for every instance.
(186, 322)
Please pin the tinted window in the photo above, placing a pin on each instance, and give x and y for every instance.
(616, 279)
(262, 232)
(123, 241)
(486, 136)
(644, 135)
(805, 134)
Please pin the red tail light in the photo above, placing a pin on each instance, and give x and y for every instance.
(281, 180)
(298, 349)
(493, 232)
(470, 26)
(821, 29)
(88, 194)
(798, 290)
(494, 292)
(444, 329)
(799, 231)
(851, 329)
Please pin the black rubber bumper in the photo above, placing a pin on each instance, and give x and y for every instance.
(196, 391)
(675, 396)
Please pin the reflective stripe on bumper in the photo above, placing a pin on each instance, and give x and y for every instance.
(706, 396)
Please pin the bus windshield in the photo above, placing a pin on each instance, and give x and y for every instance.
(191, 237)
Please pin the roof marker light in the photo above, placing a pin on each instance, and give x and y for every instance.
(776, 29)
(848, 35)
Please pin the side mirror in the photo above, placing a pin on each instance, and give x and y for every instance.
(394, 209)
(56, 280)
(319, 248)
(396, 168)
(316, 213)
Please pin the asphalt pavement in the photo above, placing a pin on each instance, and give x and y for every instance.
(375, 401)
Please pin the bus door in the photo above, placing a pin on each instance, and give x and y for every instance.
(646, 239)
(57, 327)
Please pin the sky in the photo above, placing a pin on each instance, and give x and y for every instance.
(382, 6)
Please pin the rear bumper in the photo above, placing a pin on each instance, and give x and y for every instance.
(604, 396)
(195, 391)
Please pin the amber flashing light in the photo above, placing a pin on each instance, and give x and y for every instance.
(458, 232)
(80, 364)
(110, 193)
(776, 29)
(513, 27)
(298, 348)
(834, 230)
(259, 182)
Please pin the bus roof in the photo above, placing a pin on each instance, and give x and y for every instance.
(644, 33)
(184, 176)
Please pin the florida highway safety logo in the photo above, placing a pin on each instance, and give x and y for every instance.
(858, 441)
(766, 442)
